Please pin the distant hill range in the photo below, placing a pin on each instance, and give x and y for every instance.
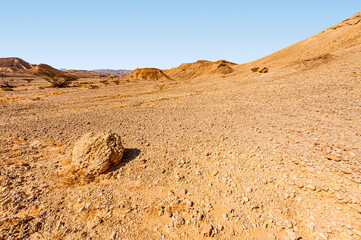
(313, 51)
(85, 73)
(15, 65)
(112, 71)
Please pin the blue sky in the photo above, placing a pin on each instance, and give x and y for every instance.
(81, 34)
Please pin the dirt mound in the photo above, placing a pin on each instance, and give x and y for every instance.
(341, 36)
(148, 74)
(13, 65)
(200, 68)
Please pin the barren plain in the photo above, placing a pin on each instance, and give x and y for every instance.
(242, 155)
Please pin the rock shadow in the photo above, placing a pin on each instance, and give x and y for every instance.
(128, 155)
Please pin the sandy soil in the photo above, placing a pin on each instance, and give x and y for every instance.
(242, 155)
(248, 156)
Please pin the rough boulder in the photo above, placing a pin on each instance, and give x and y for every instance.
(94, 153)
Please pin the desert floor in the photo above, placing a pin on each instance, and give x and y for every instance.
(243, 156)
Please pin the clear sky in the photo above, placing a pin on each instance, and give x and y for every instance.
(87, 34)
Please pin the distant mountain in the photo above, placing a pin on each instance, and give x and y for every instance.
(86, 73)
(14, 65)
(112, 71)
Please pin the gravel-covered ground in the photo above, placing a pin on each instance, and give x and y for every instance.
(247, 156)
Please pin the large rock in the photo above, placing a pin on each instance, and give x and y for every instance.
(95, 152)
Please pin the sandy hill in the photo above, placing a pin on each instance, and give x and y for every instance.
(319, 47)
(14, 65)
(200, 68)
(148, 74)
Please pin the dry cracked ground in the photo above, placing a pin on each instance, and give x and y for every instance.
(247, 156)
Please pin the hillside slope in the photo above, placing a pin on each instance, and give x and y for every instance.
(321, 46)
(41, 68)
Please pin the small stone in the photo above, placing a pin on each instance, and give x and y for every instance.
(249, 190)
(333, 157)
(115, 235)
(219, 227)
(179, 176)
(81, 209)
(28, 218)
(254, 206)
(207, 230)
(345, 170)
(264, 70)
(96, 221)
(169, 213)
(170, 225)
(311, 226)
(272, 236)
(215, 173)
(188, 202)
(200, 217)
(179, 221)
(311, 187)
(292, 235)
(161, 212)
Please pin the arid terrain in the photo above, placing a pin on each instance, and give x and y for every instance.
(213, 150)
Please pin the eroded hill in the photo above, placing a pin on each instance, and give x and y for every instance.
(11, 65)
(201, 68)
(147, 74)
